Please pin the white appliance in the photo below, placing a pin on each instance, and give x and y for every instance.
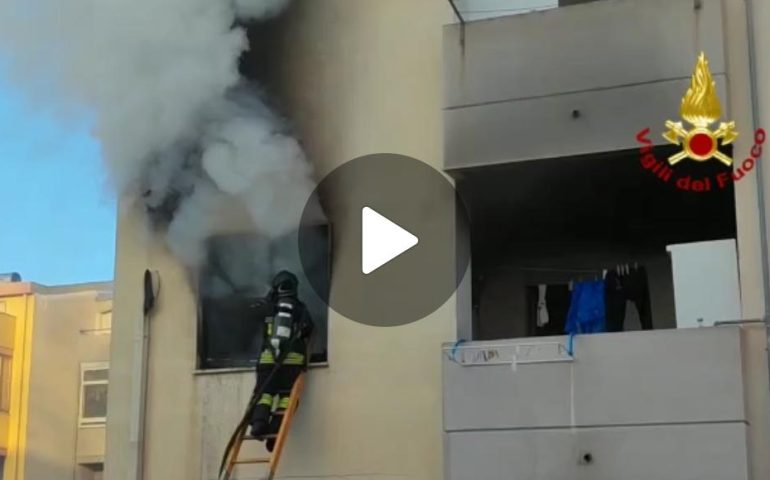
(706, 288)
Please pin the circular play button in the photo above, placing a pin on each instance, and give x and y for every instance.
(399, 239)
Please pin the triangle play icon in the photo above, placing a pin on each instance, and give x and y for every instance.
(382, 240)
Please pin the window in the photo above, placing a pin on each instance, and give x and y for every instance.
(5, 382)
(93, 393)
(90, 471)
(2, 307)
(238, 274)
(104, 320)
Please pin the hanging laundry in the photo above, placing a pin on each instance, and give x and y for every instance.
(614, 301)
(587, 310)
(637, 290)
(623, 285)
(542, 309)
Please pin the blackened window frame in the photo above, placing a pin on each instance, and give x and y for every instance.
(204, 363)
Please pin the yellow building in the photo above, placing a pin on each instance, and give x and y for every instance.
(54, 347)
(7, 333)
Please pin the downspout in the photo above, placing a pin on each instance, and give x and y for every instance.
(141, 356)
(759, 167)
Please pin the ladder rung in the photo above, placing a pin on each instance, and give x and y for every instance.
(240, 436)
(253, 460)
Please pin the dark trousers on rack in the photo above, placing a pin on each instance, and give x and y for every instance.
(618, 289)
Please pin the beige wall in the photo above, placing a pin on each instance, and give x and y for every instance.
(61, 342)
(131, 260)
(360, 77)
(365, 77)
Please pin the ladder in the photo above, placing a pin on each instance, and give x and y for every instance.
(280, 438)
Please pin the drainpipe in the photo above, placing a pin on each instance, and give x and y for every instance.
(139, 375)
(759, 176)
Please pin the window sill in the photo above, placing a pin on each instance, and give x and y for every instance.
(223, 371)
(96, 331)
(93, 425)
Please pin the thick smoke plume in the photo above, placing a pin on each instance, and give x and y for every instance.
(180, 130)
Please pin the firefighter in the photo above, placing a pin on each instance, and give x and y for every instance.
(285, 340)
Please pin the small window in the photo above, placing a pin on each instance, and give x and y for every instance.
(5, 382)
(2, 307)
(104, 320)
(238, 273)
(93, 394)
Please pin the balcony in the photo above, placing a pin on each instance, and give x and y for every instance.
(687, 403)
(549, 84)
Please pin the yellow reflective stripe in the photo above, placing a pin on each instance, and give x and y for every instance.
(294, 358)
(266, 357)
(284, 403)
(269, 329)
(266, 399)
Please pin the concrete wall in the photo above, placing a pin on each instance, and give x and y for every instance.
(652, 405)
(358, 78)
(750, 265)
(512, 83)
(58, 349)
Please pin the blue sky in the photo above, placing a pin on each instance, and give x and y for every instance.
(58, 213)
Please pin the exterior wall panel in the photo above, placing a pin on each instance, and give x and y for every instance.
(569, 49)
(664, 376)
(513, 83)
(647, 405)
(544, 127)
(703, 452)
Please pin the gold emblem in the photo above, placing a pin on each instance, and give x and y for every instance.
(700, 107)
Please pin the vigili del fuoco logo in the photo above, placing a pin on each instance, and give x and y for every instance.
(700, 110)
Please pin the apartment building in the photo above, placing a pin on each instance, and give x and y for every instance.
(54, 343)
(533, 108)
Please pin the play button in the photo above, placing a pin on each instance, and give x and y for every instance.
(399, 245)
(382, 240)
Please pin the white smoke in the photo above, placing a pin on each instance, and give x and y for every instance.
(179, 129)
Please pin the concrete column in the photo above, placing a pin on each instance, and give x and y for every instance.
(739, 109)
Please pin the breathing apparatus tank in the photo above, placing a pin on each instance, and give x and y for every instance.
(285, 291)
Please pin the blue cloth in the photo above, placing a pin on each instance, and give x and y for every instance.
(586, 310)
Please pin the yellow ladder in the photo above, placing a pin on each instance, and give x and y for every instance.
(280, 438)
